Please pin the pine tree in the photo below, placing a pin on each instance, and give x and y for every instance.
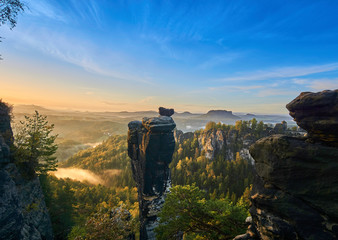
(35, 144)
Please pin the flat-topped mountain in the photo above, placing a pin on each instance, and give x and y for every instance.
(219, 114)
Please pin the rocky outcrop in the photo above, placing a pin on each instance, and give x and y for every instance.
(226, 143)
(280, 127)
(23, 213)
(212, 142)
(5, 123)
(317, 114)
(166, 111)
(180, 136)
(295, 192)
(151, 145)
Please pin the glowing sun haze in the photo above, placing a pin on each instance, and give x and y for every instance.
(245, 56)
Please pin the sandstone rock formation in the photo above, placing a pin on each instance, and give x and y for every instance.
(225, 142)
(180, 136)
(23, 212)
(295, 192)
(212, 142)
(5, 124)
(317, 114)
(151, 145)
(165, 111)
(280, 127)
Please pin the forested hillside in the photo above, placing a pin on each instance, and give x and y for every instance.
(226, 173)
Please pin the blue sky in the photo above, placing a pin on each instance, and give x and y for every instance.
(245, 56)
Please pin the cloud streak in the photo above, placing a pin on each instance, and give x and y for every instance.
(284, 72)
(147, 99)
(220, 60)
(324, 84)
(83, 54)
(46, 10)
(236, 88)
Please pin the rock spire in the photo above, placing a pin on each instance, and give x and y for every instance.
(151, 145)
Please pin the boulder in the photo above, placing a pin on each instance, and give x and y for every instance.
(317, 114)
(166, 111)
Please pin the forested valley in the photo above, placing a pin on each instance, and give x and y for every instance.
(81, 210)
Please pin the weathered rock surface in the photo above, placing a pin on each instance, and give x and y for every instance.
(293, 197)
(317, 114)
(5, 124)
(280, 127)
(295, 191)
(151, 145)
(212, 142)
(4, 151)
(23, 213)
(166, 111)
(180, 136)
(226, 142)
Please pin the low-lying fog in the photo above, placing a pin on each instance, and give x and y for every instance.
(84, 175)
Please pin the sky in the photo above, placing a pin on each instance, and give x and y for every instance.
(240, 55)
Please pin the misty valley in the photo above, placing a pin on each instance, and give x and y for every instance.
(94, 173)
(168, 120)
(156, 181)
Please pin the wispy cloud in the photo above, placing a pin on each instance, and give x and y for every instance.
(276, 92)
(284, 72)
(164, 44)
(300, 81)
(87, 10)
(236, 88)
(83, 54)
(324, 84)
(220, 60)
(147, 99)
(317, 84)
(114, 103)
(46, 10)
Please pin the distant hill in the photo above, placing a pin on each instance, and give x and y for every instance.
(220, 114)
(21, 108)
(185, 114)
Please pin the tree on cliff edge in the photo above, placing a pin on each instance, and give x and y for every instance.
(35, 145)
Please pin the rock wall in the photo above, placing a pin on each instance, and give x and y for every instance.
(151, 145)
(295, 192)
(5, 124)
(212, 142)
(23, 212)
(217, 141)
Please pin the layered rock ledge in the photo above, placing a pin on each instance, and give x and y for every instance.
(317, 113)
(295, 191)
(151, 145)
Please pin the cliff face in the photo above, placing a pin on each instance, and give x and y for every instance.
(151, 145)
(295, 192)
(218, 141)
(212, 142)
(23, 213)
